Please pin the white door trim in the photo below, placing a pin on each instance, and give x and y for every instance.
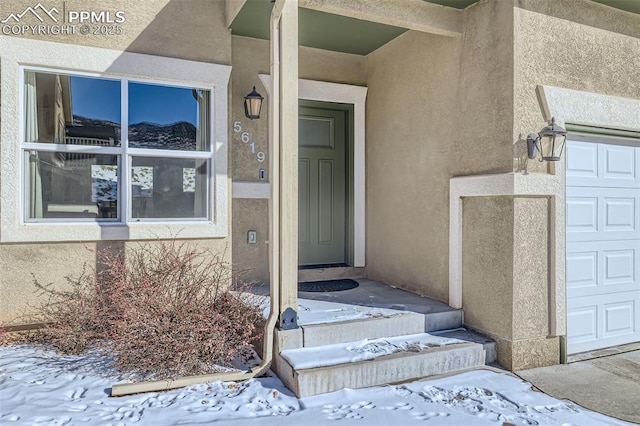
(589, 109)
(347, 94)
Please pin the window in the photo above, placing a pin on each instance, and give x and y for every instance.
(115, 149)
(86, 190)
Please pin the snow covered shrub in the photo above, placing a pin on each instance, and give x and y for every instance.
(163, 309)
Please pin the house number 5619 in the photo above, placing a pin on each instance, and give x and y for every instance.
(245, 137)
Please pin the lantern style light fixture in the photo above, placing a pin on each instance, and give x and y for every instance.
(550, 142)
(253, 104)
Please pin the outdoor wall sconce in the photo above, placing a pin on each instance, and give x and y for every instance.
(253, 104)
(550, 142)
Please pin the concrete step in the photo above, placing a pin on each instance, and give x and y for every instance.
(321, 274)
(489, 345)
(447, 320)
(322, 334)
(325, 323)
(315, 370)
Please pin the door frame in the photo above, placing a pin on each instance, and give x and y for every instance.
(337, 93)
(347, 109)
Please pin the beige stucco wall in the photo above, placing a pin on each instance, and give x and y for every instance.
(506, 265)
(487, 292)
(597, 50)
(185, 29)
(21, 264)
(437, 107)
(251, 58)
(594, 49)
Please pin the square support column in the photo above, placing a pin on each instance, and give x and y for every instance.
(284, 161)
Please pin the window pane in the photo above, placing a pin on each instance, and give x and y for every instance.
(71, 186)
(163, 117)
(71, 110)
(316, 132)
(169, 188)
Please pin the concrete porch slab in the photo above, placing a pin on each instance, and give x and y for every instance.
(378, 295)
(369, 300)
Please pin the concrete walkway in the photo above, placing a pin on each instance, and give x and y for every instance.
(609, 385)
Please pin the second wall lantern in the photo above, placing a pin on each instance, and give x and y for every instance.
(550, 142)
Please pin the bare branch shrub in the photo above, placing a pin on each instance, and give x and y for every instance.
(163, 310)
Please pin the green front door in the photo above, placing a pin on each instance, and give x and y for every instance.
(322, 196)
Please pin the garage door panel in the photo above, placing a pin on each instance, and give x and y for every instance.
(617, 164)
(582, 162)
(602, 165)
(602, 214)
(597, 267)
(603, 245)
(582, 270)
(619, 319)
(620, 267)
(582, 215)
(582, 324)
(619, 214)
(613, 320)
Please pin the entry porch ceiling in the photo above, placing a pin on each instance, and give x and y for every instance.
(327, 31)
(346, 34)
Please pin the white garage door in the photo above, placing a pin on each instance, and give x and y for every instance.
(603, 245)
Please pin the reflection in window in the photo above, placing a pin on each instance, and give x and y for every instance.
(162, 117)
(79, 174)
(71, 110)
(177, 188)
(142, 181)
(71, 186)
(189, 180)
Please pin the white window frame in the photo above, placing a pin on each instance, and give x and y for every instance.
(23, 55)
(123, 152)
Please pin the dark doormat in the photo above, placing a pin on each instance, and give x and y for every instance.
(327, 286)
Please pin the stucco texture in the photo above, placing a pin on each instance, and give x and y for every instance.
(593, 48)
(21, 264)
(488, 267)
(506, 290)
(185, 29)
(437, 107)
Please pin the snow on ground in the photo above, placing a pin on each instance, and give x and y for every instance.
(38, 387)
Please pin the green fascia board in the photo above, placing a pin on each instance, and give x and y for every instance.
(456, 4)
(628, 5)
(318, 29)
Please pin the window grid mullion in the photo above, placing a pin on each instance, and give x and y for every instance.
(146, 152)
(125, 175)
(78, 149)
